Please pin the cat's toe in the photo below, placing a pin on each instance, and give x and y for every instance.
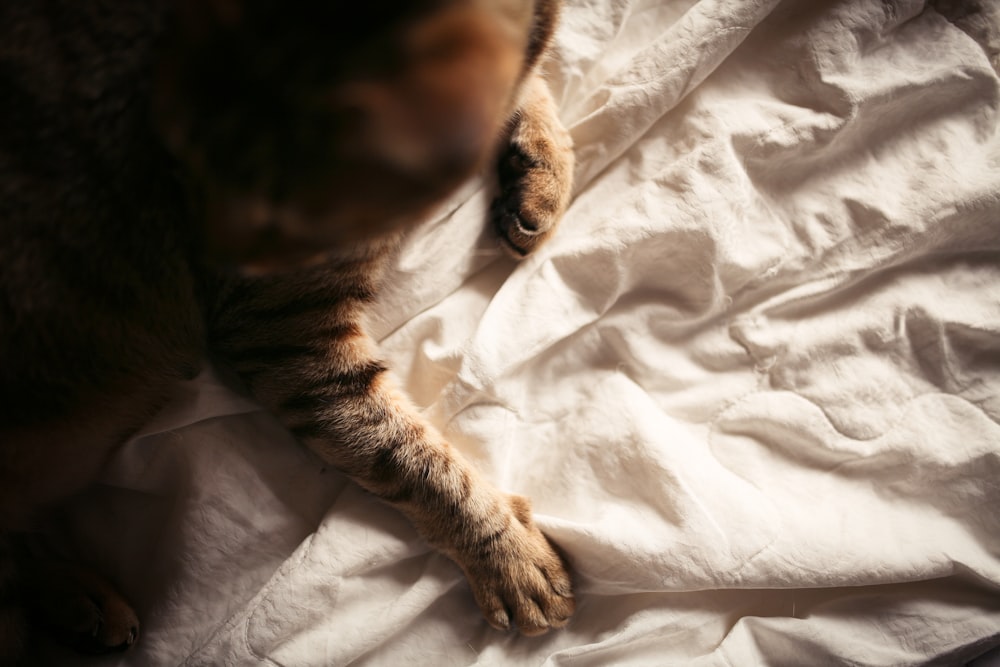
(519, 232)
(115, 628)
(550, 606)
(98, 630)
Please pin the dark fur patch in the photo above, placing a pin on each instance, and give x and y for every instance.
(322, 393)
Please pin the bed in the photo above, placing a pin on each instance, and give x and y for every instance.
(752, 386)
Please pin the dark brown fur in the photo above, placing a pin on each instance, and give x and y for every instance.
(290, 141)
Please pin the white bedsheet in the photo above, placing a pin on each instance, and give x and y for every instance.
(752, 387)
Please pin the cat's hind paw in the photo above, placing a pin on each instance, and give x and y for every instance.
(82, 610)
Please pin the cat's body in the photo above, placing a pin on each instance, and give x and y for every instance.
(105, 300)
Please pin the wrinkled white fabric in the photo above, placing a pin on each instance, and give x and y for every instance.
(752, 386)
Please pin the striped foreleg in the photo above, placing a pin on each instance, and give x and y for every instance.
(343, 403)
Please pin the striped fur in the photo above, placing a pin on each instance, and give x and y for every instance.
(299, 343)
(105, 294)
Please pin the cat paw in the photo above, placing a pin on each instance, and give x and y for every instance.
(520, 580)
(534, 192)
(534, 172)
(83, 610)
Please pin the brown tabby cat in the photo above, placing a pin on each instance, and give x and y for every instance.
(281, 136)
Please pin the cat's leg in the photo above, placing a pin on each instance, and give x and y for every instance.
(534, 170)
(319, 372)
(39, 467)
(359, 422)
(63, 429)
(43, 465)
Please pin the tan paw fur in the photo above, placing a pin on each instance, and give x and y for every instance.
(520, 580)
(535, 173)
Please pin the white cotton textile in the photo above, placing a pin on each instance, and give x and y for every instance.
(752, 386)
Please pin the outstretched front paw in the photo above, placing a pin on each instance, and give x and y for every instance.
(535, 173)
(519, 579)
